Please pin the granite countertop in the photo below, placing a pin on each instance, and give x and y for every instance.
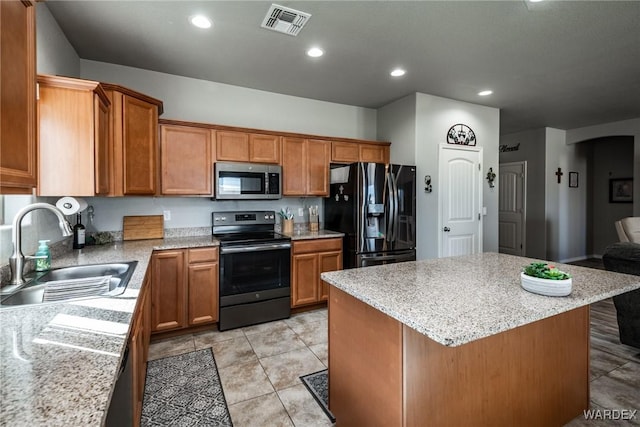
(457, 300)
(59, 361)
(310, 235)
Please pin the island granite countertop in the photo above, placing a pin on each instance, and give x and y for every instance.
(59, 361)
(457, 300)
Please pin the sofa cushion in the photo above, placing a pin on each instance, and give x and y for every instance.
(625, 258)
(631, 227)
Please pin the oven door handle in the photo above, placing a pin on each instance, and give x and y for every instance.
(254, 248)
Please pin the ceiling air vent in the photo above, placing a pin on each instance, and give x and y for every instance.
(285, 20)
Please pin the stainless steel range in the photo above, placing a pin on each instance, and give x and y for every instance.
(255, 268)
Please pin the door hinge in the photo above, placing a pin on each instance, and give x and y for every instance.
(479, 167)
(37, 91)
(478, 216)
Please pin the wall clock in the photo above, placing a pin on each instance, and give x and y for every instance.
(461, 135)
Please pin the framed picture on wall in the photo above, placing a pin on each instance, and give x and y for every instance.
(621, 190)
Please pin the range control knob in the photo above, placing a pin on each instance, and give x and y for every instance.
(271, 217)
(223, 218)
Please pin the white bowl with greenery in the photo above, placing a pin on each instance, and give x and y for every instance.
(545, 279)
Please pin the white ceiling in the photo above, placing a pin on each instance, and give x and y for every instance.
(563, 64)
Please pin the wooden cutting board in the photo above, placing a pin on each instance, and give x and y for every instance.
(142, 227)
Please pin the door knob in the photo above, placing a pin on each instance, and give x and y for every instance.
(447, 229)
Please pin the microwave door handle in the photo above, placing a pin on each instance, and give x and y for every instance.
(266, 183)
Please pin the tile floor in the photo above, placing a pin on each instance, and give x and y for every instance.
(260, 368)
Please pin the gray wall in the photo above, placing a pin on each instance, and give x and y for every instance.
(531, 150)
(621, 128)
(611, 158)
(418, 124)
(210, 102)
(397, 123)
(55, 55)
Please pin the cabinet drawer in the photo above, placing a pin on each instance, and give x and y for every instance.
(317, 245)
(203, 255)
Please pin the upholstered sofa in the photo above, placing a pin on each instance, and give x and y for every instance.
(624, 257)
(628, 229)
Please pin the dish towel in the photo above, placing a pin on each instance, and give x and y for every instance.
(59, 290)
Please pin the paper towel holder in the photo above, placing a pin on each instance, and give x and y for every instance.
(71, 205)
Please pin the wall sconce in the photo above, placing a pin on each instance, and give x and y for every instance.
(427, 184)
(491, 176)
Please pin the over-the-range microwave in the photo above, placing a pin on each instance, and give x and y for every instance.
(248, 181)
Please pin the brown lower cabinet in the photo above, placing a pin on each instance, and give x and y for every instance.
(184, 290)
(139, 348)
(309, 259)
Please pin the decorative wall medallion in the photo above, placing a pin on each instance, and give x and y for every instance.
(461, 135)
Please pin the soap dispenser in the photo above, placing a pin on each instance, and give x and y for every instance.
(44, 263)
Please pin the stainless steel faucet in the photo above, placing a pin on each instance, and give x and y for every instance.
(17, 258)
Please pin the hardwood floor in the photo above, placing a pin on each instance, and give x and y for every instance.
(615, 372)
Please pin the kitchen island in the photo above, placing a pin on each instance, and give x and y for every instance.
(457, 341)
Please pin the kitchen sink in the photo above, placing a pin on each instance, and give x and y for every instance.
(33, 292)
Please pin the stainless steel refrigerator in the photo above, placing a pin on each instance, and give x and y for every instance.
(375, 207)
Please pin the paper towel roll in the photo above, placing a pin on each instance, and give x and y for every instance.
(71, 205)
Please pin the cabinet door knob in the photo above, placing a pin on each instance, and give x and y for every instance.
(447, 229)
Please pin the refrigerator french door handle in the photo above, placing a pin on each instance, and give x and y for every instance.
(396, 206)
(363, 213)
(391, 212)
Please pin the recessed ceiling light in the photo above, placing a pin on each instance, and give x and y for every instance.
(535, 1)
(398, 72)
(200, 21)
(485, 92)
(315, 52)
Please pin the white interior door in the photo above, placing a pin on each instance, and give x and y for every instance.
(511, 211)
(460, 200)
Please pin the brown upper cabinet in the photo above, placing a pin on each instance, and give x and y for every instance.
(133, 136)
(237, 146)
(186, 154)
(18, 169)
(305, 166)
(73, 137)
(374, 153)
(349, 152)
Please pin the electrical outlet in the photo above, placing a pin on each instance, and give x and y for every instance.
(167, 215)
(300, 211)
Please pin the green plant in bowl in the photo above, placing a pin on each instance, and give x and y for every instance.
(543, 270)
